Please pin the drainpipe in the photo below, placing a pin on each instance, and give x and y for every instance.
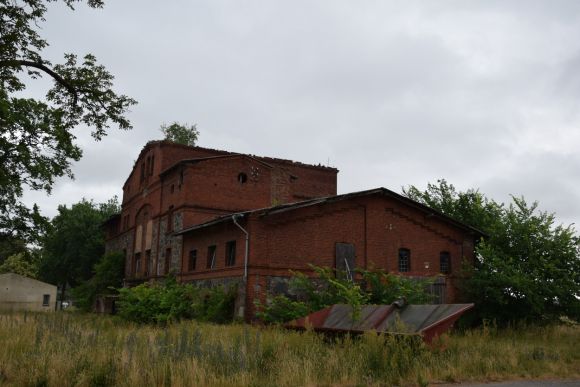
(234, 218)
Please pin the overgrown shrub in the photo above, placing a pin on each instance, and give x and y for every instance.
(385, 288)
(327, 289)
(171, 301)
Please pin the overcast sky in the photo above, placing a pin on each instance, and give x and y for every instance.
(485, 94)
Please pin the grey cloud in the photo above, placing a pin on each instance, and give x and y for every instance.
(480, 93)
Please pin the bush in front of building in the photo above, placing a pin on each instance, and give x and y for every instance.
(170, 301)
(330, 287)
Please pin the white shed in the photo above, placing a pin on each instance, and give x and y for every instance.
(22, 293)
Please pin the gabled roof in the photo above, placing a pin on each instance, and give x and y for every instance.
(268, 211)
(218, 152)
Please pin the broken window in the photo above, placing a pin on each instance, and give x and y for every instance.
(192, 260)
(46, 300)
(231, 253)
(445, 262)
(211, 257)
(345, 260)
(404, 260)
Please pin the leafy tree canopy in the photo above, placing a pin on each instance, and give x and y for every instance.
(180, 133)
(19, 264)
(527, 269)
(75, 242)
(37, 143)
(108, 276)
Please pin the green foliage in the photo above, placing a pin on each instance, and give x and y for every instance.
(20, 264)
(527, 269)
(107, 278)
(281, 309)
(10, 245)
(327, 289)
(385, 288)
(37, 145)
(171, 301)
(180, 133)
(75, 242)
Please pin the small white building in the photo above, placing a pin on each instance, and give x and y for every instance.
(22, 293)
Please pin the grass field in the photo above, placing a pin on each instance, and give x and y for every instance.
(66, 349)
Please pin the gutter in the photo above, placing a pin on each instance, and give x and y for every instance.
(234, 219)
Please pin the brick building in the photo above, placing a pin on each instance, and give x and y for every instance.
(215, 217)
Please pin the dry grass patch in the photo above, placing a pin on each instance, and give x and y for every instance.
(64, 349)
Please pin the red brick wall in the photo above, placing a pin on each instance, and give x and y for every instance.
(214, 184)
(218, 236)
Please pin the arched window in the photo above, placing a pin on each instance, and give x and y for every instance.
(404, 260)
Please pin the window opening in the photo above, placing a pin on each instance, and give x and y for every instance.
(192, 260)
(211, 257)
(231, 253)
(242, 178)
(46, 300)
(445, 262)
(137, 263)
(404, 260)
(345, 260)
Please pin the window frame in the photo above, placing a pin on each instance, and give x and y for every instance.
(192, 258)
(230, 253)
(211, 257)
(404, 260)
(447, 256)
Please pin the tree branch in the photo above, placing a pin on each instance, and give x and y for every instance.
(66, 84)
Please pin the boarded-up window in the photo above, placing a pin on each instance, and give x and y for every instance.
(345, 260)
(137, 263)
(138, 238)
(404, 260)
(231, 253)
(46, 300)
(192, 260)
(148, 234)
(211, 257)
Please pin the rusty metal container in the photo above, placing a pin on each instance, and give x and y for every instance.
(429, 321)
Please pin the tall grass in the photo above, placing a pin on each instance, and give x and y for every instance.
(64, 349)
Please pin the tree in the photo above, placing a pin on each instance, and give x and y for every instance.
(108, 276)
(37, 144)
(75, 242)
(528, 267)
(180, 134)
(19, 264)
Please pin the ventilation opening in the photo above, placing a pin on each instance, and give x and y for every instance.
(242, 178)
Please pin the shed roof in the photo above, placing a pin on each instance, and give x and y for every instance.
(262, 212)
